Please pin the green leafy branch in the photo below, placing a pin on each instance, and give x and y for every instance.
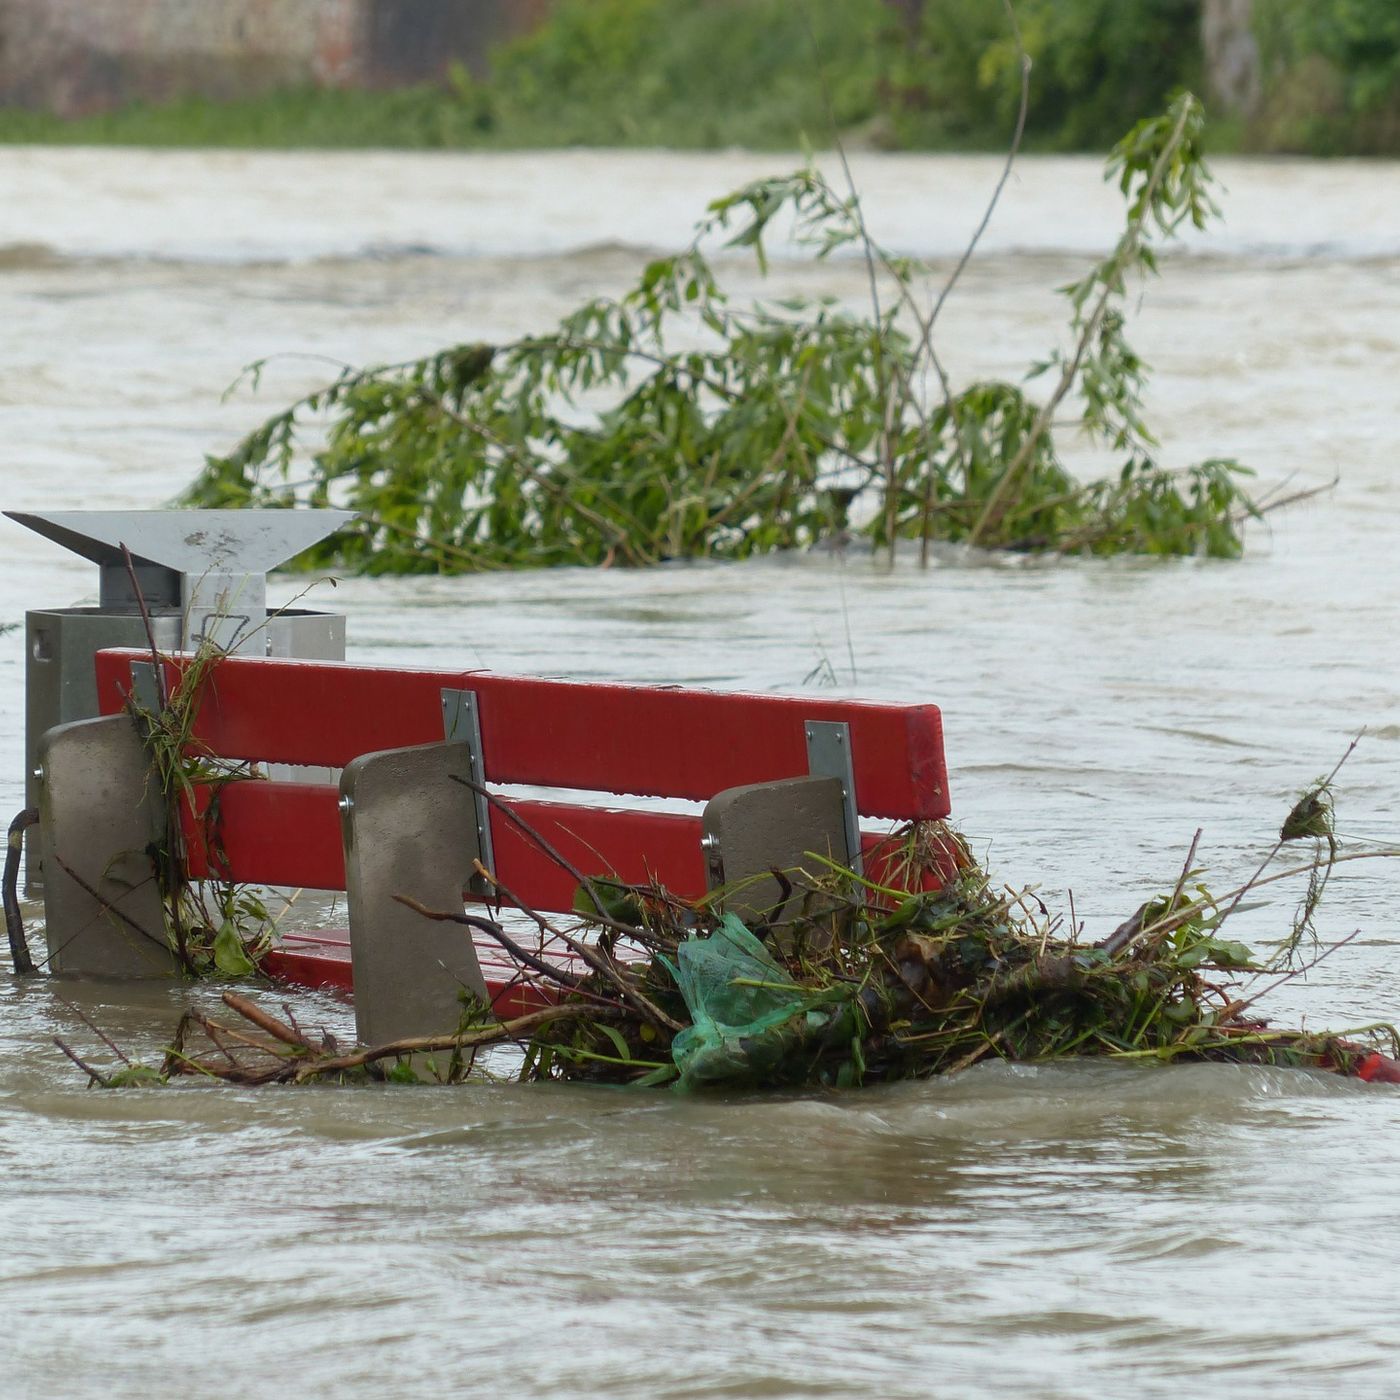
(672, 422)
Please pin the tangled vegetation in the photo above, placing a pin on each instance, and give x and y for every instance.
(212, 927)
(842, 983)
(215, 926)
(675, 423)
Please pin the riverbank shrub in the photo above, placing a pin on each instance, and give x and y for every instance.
(662, 73)
(773, 75)
(766, 74)
(953, 68)
(1331, 71)
(688, 74)
(673, 422)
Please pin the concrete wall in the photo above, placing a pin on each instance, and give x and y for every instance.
(77, 56)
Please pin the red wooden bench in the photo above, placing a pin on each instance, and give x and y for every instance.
(398, 818)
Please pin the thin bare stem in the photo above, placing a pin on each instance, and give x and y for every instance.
(95, 1076)
(1127, 247)
(491, 927)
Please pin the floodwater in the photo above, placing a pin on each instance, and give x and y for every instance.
(1062, 1231)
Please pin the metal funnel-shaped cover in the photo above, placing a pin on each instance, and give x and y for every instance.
(188, 541)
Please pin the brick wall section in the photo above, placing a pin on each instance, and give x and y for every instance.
(78, 56)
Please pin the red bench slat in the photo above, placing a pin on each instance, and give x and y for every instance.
(562, 734)
(323, 964)
(289, 834)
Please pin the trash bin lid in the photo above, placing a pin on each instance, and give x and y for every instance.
(187, 541)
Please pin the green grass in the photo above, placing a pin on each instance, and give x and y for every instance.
(687, 74)
(778, 75)
(417, 117)
(684, 73)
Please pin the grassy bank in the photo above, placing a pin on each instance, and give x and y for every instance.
(766, 74)
(770, 74)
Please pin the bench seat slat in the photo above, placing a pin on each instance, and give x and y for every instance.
(648, 741)
(289, 834)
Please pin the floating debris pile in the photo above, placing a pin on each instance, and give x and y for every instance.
(848, 982)
(868, 984)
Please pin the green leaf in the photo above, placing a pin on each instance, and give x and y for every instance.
(135, 1077)
(546, 451)
(663, 1074)
(614, 1035)
(230, 956)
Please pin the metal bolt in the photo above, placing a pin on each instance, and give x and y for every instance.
(346, 804)
(714, 858)
(39, 774)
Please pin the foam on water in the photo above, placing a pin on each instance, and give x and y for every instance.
(298, 206)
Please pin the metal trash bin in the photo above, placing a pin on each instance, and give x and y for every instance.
(202, 575)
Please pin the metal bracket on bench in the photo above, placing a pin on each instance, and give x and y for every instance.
(829, 756)
(144, 689)
(461, 724)
(753, 830)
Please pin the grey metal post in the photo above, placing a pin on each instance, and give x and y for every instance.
(829, 754)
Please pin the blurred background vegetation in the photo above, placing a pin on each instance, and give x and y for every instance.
(1311, 76)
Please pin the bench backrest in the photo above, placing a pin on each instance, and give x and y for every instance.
(645, 741)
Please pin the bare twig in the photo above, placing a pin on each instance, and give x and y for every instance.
(205, 1023)
(95, 1029)
(927, 324)
(1127, 247)
(1187, 912)
(491, 927)
(596, 958)
(515, 1029)
(1186, 867)
(265, 1022)
(1270, 501)
(95, 1076)
(217, 1038)
(1236, 1007)
(108, 907)
(549, 849)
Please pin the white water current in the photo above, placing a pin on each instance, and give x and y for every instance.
(1067, 1231)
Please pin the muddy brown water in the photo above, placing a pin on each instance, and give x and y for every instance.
(1064, 1231)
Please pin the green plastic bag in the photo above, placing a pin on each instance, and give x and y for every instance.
(742, 1007)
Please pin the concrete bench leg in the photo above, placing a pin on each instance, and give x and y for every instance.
(751, 830)
(102, 816)
(409, 829)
